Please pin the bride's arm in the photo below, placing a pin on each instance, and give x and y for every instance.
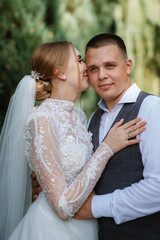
(67, 199)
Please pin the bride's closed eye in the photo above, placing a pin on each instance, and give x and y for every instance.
(80, 60)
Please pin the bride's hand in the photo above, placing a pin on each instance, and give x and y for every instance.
(121, 136)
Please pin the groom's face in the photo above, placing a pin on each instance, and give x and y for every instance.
(109, 72)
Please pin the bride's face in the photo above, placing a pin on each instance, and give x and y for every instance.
(72, 73)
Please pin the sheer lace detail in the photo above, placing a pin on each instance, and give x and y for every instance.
(59, 150)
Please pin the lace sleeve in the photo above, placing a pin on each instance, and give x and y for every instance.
(45, 159)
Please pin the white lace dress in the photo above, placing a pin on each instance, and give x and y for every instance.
(59, 150)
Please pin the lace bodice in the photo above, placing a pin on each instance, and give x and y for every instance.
(59, 150)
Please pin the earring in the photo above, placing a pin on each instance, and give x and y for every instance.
(64, 77)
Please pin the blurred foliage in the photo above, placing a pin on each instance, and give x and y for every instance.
(22, 29)
(138, 23)
(26, 24)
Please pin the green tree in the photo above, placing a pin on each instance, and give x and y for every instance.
(78, 21)
(138, 22)
(25, 24)
(75, 21)
(23, 28)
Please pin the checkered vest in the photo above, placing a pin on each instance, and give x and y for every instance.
(122, 170)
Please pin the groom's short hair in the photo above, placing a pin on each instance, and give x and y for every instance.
(105, 39)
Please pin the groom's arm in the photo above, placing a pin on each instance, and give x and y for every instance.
(142, 198)
(36, 188)
(85, 211)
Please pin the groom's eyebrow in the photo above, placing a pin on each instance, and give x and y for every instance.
(91, 66)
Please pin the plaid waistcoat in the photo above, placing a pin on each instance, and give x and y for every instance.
(122, 170)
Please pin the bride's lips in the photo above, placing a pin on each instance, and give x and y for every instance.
(85, 75)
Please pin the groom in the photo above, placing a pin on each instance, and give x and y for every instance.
(127, 203)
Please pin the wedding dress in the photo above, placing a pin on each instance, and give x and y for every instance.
(59, 150)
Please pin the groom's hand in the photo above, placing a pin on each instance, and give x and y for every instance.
(36, 189)
(85, 211)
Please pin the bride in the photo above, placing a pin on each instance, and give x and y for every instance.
(57, 147)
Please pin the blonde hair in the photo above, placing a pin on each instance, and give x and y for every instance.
(47, 58)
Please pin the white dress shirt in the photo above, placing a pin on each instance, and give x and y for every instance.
(142, 198)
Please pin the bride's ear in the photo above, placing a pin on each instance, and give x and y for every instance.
(57, 72)
(62, 76)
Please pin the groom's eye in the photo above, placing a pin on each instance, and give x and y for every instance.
(93, 69)
(110, 65)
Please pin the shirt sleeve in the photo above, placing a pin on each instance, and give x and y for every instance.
(142, 198)
(45, 159)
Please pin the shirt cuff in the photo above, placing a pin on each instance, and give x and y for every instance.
(101, 206)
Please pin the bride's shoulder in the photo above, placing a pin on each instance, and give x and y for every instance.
(39, 112)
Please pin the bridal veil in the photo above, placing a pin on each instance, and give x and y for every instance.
(15, 186)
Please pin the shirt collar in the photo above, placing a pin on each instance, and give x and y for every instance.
(129, 96)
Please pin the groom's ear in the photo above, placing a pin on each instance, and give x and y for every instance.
(129, 66)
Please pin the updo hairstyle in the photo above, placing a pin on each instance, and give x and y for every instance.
(45, 60)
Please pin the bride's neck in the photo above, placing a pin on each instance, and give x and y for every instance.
(64, 94)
